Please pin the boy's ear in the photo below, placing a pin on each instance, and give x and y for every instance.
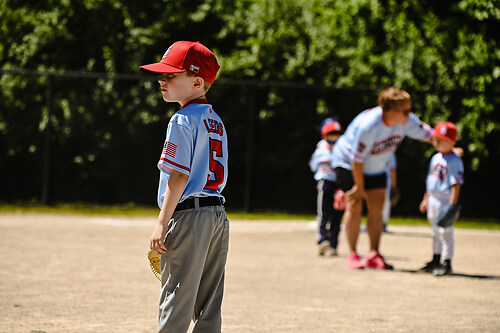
(198, 82)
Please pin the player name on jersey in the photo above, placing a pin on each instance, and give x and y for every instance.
(388, 145)
(213, 126)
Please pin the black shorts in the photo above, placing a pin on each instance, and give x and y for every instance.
(346, 182)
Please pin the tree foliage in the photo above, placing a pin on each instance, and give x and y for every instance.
(445, 53)
(438, 50)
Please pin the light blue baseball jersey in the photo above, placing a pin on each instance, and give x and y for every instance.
(369, 140)
(444, 172)
(196, 145)
(321, 162)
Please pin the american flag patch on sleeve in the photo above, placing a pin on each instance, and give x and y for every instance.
(169, 149)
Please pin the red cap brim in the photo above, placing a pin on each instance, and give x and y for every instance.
(160, 67)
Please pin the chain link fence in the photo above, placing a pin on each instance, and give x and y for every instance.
(96, 137)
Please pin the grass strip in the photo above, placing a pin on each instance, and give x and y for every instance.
(131, 209)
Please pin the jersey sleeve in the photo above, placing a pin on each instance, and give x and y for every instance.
(321, 155)
(361, 145)
(313, 162)
(417, 129)
(178, 147)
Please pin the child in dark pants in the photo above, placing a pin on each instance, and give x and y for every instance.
(328, 218)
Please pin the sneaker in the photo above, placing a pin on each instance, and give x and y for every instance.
(377, 262)
(429, 267)
(323, 247)
(353, 261)
(331, 252)
(443, 269)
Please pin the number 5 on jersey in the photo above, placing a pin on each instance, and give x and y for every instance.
(215, 167)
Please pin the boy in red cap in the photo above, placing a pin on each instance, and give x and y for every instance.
(441, 197)
(192, 231)
(320, 163)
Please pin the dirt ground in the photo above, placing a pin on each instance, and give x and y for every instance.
(71, 273)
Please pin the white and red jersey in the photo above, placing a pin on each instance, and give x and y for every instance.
(445, 170)
(369, 140)
(196, 145)
(321, 162)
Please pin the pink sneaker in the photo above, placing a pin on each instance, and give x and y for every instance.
(353, 261)
(377, 262)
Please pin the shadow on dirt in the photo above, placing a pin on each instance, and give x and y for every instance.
(471, 276)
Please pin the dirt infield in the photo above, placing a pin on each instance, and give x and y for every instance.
(68, 273)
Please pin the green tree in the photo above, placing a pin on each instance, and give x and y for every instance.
(440, 51)
(284, 55)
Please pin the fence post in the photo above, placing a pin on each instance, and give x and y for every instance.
(46, 145)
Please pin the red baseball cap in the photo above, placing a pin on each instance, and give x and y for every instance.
(330, 126)
(187, 56)
(446, 130)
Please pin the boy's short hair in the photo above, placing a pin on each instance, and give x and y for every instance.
(389, 98)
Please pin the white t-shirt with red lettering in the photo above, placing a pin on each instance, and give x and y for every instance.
(369, 140)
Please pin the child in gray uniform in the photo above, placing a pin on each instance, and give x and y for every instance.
(440, 200)
(192, 231)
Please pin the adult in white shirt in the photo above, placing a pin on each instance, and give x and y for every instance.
(360, 157)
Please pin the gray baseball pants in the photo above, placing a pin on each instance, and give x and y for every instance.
(192, 270)
(443, 239)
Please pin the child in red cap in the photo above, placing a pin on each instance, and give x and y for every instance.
(440, 200)
(192, 231)
(328, 217)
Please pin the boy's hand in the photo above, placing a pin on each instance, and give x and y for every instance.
(156, 242)
(423, 206)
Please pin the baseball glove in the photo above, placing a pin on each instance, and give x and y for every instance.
(339, 201)
(448, 216)
(154, 263)
(394, 196)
